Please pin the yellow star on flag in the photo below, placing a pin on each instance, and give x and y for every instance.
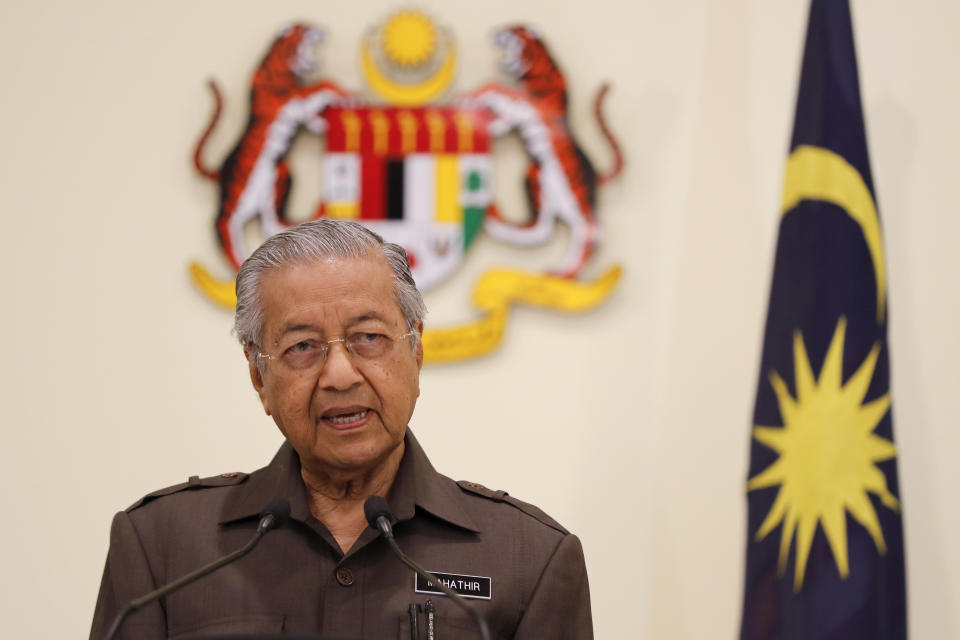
(828, 455)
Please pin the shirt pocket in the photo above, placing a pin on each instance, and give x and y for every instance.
(444, 628)
(231, 624)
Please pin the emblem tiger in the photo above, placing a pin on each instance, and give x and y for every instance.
(561, 182)
(255, 179)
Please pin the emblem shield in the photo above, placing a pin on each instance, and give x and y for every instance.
(420, 177)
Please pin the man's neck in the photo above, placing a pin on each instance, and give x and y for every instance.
(336, 497)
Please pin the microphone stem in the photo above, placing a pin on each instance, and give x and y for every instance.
(453, 595)
(134, 605)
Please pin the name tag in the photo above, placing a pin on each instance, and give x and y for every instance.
(466, 586)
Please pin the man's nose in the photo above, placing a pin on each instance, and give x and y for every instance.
(339, 371)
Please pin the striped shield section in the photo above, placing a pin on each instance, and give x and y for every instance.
(418, 176)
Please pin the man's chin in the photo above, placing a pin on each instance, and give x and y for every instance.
(359, 455)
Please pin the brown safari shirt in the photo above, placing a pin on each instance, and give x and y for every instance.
(298, 582)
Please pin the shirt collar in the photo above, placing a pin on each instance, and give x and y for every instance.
(279, 479)
(417, 485)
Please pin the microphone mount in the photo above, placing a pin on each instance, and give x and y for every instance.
(378, 517)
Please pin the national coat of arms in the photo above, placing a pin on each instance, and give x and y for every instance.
(417, 171)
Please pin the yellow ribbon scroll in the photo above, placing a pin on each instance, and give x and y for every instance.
(222, 292)
(494, 293)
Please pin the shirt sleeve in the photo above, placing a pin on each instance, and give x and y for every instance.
(560, 606)
(127, 576)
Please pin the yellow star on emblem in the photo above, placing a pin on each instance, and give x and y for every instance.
(828, 455)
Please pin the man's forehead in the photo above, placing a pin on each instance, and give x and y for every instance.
(370, 270)
(355, 289)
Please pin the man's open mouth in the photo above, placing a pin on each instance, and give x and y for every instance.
(340, 417)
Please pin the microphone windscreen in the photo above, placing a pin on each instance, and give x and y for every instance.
(279, 509)
(374, 507)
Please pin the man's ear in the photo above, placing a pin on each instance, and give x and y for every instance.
(256, 378)
(419, 354)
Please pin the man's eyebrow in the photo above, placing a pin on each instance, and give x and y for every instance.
(302, 326)
(372, 315)
(306, 326)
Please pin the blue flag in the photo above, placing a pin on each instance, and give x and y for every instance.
(825, 536)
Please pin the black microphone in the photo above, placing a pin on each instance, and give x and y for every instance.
(272, 516)
(379, 516)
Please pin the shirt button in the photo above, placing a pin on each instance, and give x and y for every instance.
(344, 576)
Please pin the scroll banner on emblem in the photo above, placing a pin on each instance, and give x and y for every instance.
(494, 293)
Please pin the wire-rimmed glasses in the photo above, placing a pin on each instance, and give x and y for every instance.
(311, 353)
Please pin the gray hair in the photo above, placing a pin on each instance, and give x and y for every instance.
(309, 242)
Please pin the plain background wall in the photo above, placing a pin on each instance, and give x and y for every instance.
(629, 424)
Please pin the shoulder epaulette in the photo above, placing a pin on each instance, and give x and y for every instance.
(194, 482)
(503, 496)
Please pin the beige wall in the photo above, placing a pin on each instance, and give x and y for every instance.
(629, 424)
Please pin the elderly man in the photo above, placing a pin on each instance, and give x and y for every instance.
(330, 322)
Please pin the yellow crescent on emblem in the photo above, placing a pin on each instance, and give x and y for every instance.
(815, 173)
(412, 94)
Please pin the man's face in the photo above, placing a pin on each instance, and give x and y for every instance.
(348, 413)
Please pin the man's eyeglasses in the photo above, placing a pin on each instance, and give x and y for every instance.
(310, 354)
